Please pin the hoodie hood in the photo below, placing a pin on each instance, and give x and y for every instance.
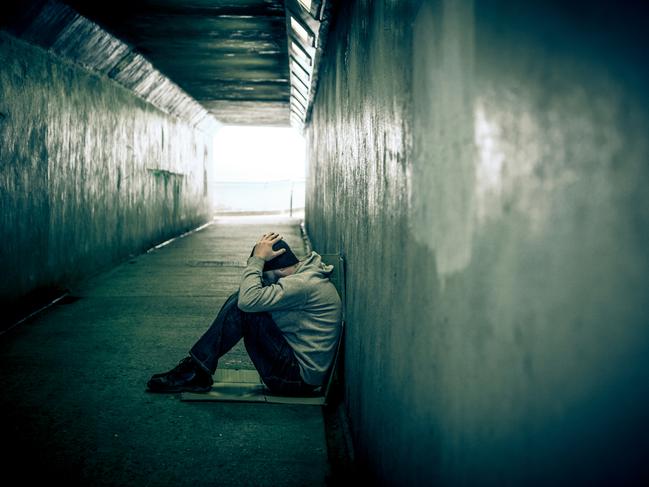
(313, 263)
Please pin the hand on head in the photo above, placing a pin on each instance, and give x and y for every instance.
(264, 247)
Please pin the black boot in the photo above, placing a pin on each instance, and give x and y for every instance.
(186, 376)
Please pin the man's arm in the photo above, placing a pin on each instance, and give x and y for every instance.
(254, 297)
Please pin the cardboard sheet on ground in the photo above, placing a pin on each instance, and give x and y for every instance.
(242, 385)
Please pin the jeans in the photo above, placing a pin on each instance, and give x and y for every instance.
(269, 351)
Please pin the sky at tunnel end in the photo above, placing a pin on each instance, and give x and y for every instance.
(258, 154)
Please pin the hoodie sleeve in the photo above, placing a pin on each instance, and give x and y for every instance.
(254, 297)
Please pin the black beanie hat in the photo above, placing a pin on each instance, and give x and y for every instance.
(286, 259)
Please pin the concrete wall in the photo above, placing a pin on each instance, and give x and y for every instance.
(89, 174)
(484, 168)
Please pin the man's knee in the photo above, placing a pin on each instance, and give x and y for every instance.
(229, 309)
(232, 301)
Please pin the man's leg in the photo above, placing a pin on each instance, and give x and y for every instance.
(224, 333)
(269, 351)
(272, 356)
(194, 373)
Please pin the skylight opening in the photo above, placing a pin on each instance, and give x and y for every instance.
(306, 4)
(300, 53)
(301, 31)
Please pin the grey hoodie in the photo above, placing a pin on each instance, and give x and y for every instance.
(306, 308)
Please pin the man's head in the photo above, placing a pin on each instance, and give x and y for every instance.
(282, 261)
(281, 266)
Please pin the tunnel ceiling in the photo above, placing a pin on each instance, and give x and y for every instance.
(232, 56)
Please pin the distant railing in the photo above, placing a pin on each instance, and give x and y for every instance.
(257, 197)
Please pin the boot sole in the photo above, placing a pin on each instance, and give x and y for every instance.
(163, 390)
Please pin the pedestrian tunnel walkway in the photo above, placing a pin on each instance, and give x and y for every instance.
(74, 379)
(481, 166)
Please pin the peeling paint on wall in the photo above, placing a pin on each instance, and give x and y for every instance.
(443, 174)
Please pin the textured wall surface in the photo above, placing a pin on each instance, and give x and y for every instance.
(89, 172)
(61, 30)
(484, 168)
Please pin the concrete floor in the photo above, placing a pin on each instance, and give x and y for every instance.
(74, 407)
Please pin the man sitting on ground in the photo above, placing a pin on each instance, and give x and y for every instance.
(287, 312)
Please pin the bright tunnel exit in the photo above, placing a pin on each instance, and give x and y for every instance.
(258, 170)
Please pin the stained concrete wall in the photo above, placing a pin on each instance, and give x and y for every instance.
(89, 174)
(483, 166)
